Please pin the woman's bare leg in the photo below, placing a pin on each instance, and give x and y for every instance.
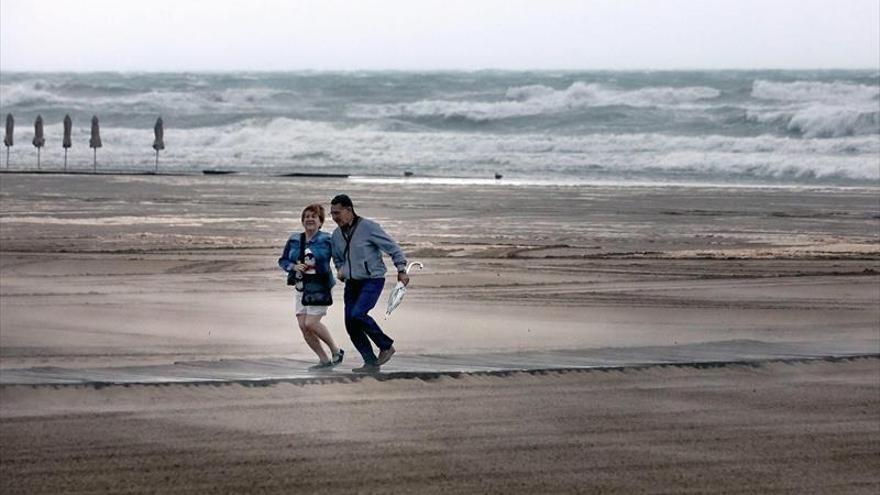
(311, 339)
(313, 323)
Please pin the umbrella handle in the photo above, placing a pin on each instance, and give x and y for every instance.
(414, 263)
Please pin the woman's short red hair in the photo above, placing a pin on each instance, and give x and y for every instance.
(315, 208)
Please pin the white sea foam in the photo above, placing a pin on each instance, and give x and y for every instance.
(817, 109)
(532, 100)
(821, 120)
(284, 144)
(21, 93)
(41, 93)
(814, 91)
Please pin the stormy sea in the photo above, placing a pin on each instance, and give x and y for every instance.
(817, 128)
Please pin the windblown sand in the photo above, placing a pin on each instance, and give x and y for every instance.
(115, 271)
(790, 428)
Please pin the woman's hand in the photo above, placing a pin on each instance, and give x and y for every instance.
(299, 267)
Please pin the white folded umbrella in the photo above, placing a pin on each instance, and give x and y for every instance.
(396, 296)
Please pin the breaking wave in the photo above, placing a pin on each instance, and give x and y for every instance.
(819, 109)
(111, 99)
(534, 100)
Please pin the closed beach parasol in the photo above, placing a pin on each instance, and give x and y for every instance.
(158, 143)
(396, 296)
(7, 138)
(95, 140)
(65, 141)
(39, 140)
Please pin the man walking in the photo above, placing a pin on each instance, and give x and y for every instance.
(358, 245)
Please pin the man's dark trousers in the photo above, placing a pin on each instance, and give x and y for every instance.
(360, 297)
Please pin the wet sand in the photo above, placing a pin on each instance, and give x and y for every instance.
(116, 271)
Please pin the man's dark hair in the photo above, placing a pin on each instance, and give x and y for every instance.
(342, 200)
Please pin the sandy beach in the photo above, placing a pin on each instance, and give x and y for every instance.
(125, 270)
(779, 428)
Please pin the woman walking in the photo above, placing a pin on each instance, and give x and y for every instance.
(309, 252)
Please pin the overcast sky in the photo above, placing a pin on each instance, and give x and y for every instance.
(437, 34)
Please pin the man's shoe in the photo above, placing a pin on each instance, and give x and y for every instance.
(367, 368)
(385, 355)
(338, 357)
(322, 366)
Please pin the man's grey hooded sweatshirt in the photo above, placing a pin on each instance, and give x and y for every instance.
(360, 257)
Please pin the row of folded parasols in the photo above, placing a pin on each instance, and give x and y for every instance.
(66, 142)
